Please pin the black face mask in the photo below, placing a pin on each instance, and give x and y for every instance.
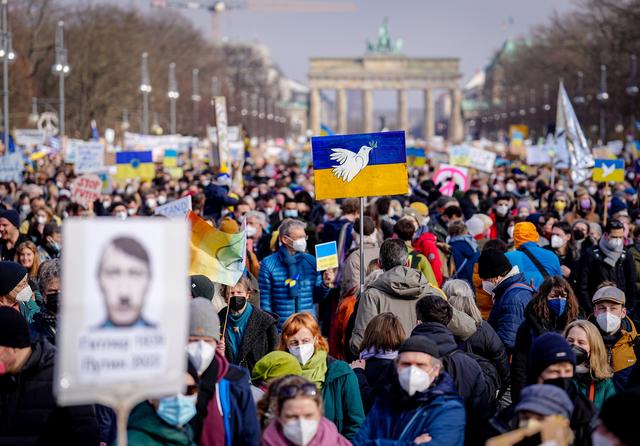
(563, 383)
(578, 235)
(51, 302)
(237, 303)
(581, 354)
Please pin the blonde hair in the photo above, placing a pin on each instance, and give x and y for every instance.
(295, 323)
(33, 269)
(598, 359)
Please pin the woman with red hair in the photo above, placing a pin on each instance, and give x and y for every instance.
(339, 385)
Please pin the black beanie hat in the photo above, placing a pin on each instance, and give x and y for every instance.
(11, 273)
(548, 349)
(420, 344)
(202, 286)
(619, 415)
(13, 217)
(14, 331)
(493, 263)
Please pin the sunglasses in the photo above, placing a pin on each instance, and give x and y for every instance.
(292, 390)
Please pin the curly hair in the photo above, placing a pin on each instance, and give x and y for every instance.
(539, 301)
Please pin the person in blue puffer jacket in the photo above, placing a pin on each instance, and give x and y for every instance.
(288, 280)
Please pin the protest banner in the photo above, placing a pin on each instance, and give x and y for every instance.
(124, 313)
(538, 155)
(89, 157)
(221, 124)
(467, 156)
(448, 177)
(360, 165)
(86, 189)
(29, 137)
(176, 208)
(326, 256)
(11, 166)
(608, 170)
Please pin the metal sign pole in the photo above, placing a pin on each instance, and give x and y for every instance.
(362, 201)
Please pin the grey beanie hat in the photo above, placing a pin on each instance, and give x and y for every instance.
(203, 319)
(545, 400)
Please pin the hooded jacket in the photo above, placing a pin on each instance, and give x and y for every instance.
(426, 245)
(341, 397)
(29, 414)
(397, 418)
(327, 434)
(548, 259)
(396, 291)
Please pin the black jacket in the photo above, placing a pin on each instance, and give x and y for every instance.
(378, 373)
(594, 271)
(260, 337)
(29, 414)
(531, 328)
(486, 343)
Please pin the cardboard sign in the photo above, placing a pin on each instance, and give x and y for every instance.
(176, 208)
(360, 165)
(124, 311)
(326, 256)
(467, 156)
(11, 166)
(448, 177)
(86, 189)
(89, 157)
(608, 170)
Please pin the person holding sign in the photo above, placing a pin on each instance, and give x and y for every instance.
(28, 410)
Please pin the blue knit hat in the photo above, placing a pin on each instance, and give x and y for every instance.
(617, 205)
(546, 350)
(545, 400)
(13, 217)
(11, 273)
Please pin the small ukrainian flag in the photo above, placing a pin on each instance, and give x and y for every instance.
(134, 165)
(605, 170)
(170, 158)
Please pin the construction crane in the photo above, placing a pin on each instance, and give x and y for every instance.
(216, 8)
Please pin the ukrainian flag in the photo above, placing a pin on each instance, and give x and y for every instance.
(416, 156)
(362, 165)
(170, 158)
(608, 170)
(135, 165)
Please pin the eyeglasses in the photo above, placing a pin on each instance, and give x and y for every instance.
(292, 390)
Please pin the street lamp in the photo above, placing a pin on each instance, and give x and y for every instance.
(8, 56)
(602, 98)
(632, 90)
(579, 98)
(173, 95)
(62, 69)
(145, 89)
(195, 97)
(33, 116)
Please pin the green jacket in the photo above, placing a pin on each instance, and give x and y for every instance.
(29, 309)
(604, 389)
(341, 396)
(145, 428)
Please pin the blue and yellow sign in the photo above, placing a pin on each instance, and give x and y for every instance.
(135, 165)
(606, 170)
(326, 256)
(362, 165)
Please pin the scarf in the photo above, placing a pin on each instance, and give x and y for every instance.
(373, 352)
(315, 369)
(46, 318)
(465, 238)
(236, 325)
(612, 256)
(291, 262)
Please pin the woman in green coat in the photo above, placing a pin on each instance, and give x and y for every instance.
(593, 372)
(339, 385)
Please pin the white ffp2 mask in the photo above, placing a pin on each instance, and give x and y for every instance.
(301, 431)
(302, 352)
(413, 379)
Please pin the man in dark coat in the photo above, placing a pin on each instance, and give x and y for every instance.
(217, 196)
(10, 236)
(29, 414)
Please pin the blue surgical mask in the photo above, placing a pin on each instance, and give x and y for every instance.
(177, 410)
(291, 213)
(557, 306)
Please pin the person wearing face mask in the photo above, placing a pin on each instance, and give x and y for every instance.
(510, 291)
(289, 281)
(500, 215)
(617, 329)
(119, 211)
(337, 382)
(165, 421)
(217, 196)
(351, 267)
(567, 250)
(609, 261)
(299, 417)
(257, 235)
(15, 291)
(51, 246)
(593, 372)
(251, 333)
(225, 412)
(44, 322)
(552, 308)
(10, 235)
(420, 404)
(617, 421)
(37, 223)
(28, 406)
(584, 208)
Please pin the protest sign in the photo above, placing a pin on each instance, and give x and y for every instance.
(360, 165)
(29, 137)
(123, 321)
(608, 170)
(448, 177)
(416, 156)
(467, 156)
(86, 189)
(11, 166)
(221, 124)
(538, 155)
(89, 157)
(326, 256)
(176, 208)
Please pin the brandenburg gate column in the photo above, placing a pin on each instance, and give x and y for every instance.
(456, 131)
(341, 100)
(367, 110)
(315, 110)
(403, 110)
(429, 115)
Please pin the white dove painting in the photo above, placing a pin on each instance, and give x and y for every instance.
(350, 164)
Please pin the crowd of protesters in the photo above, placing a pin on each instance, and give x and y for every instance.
(481, 313)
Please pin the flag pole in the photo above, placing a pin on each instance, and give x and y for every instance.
(606, 203)
(361, 245)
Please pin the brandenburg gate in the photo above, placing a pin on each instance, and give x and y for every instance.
(385, 68)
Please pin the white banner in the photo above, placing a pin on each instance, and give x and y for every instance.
(28, 137)
(221, 124)
(11, 166)
(89, 157)
(176, 208)
(467, 156)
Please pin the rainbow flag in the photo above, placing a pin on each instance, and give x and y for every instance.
(362, 165)
(135, 165)
(216, 254)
